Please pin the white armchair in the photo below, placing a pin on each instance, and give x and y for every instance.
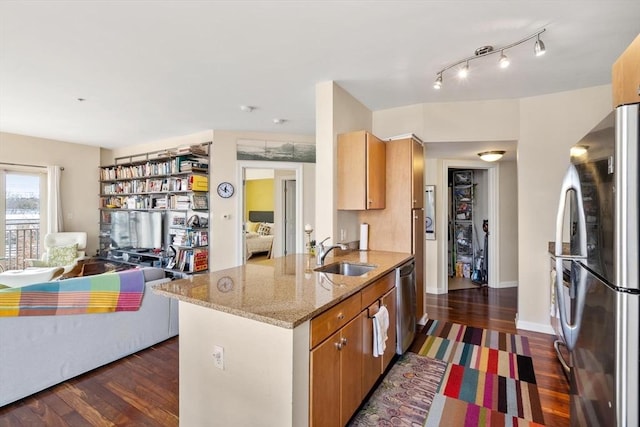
(62, 249)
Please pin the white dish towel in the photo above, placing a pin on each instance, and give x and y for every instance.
(380, 328)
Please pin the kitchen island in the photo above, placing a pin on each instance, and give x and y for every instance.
(260, 318)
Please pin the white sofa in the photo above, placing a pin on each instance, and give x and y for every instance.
(37, 352)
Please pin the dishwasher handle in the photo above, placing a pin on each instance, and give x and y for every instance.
(407, 269)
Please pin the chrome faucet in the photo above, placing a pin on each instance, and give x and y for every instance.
(323, 252)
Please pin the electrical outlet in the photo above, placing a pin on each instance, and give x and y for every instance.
(218, 356)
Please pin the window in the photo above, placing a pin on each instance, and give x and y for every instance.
(22, 204)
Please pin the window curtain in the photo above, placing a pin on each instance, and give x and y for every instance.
(54, 200)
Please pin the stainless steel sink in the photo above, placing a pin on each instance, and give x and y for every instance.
(346, 268)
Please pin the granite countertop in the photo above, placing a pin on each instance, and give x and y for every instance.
(284, 291)
(566, 248)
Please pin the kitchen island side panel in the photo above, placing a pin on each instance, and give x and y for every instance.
(265, 380)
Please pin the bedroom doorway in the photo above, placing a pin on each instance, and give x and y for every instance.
(270, 209)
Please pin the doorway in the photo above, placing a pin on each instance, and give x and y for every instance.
(467, 220)
(277, 205)
(468, 227)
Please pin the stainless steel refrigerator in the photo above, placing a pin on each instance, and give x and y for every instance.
(598, 214)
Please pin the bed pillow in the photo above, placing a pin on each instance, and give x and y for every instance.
(252, 226)
(62, 255)
(264, 229)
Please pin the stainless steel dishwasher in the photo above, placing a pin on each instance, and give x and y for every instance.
(406, 309)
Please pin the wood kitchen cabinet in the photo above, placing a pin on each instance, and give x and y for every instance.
(342, 367)
(373, 367)
(626, 76)
(361, 171)
(336, 390)
(403, 218)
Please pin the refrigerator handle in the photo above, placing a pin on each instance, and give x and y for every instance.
(571, 182)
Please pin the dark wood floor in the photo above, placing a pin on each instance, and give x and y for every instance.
(142, 389)
(496, 309)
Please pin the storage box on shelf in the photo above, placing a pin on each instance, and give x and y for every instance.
(154, 210)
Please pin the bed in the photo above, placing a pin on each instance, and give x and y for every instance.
(258, 235)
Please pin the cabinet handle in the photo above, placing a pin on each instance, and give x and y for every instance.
(338, 345)
(340, 316)
(370, 201)
(343, 341)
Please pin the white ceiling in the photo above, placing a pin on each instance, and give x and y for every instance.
(151, 70)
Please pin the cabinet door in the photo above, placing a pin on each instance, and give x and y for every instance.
(417, 186)
(371, 366)
(376, 172)
(626, 76)
(352, 166)
(418, 251)
(389, 301)
(351, 368)
(325, 383)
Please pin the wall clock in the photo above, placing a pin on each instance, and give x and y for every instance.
(225, 190)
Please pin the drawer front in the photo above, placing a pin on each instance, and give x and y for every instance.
(377, 289)
(327, 323)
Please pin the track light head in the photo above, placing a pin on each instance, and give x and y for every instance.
(438, 83)
(539, 47)
(463, 72)
(503, 61)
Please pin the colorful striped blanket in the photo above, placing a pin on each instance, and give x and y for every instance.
(102, 293)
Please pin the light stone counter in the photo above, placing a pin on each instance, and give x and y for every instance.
(283, 292)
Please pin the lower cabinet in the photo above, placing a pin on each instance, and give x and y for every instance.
(373, 367)
(342, 367)
(336, 391)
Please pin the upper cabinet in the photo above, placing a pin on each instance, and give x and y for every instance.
(361, 171)
(626, 76)
(417, 182)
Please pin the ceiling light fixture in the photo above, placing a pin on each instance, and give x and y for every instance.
(504, 61)
(491, 156)
(438, 83)
(247, 108)
(279, 121)
(463, 72)
(483, 51)
(539, 47)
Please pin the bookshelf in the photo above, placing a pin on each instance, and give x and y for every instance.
(154, 210)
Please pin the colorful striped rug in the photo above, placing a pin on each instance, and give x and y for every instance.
(488, 381)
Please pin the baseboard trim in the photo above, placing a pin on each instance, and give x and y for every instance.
(535, 327)
(501, 285)
(436, 291)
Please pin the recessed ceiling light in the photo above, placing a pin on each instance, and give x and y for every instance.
(81, 99)
(279, 121)
(247, 108)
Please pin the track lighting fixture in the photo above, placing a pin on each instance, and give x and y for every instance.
(539, 49)
(438, 83)
(464, 71)
(504, 61)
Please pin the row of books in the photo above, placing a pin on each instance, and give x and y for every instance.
(190, 237)
(190, 260)
(155, 185)
(149, 169)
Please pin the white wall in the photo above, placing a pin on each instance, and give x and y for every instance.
(545, 127)
(79, 182)
(549, 126)
(508, 212)
(224, 235)
(336, 112)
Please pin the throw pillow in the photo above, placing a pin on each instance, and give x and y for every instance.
(264, 229)
(252, 226)
(62, 255)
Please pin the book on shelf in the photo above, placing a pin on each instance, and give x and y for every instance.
(199, 201)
